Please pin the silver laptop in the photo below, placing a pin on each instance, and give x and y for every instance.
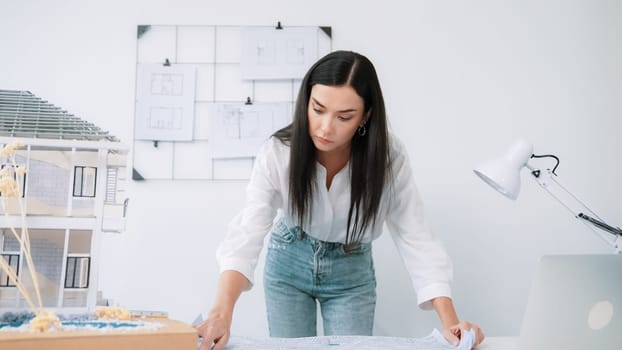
(575, 303)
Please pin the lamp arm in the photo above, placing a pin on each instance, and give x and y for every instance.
(548, 178)
(601, 225)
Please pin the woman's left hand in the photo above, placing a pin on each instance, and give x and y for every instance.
(453, 334)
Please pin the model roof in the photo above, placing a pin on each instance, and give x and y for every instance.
(25, 115)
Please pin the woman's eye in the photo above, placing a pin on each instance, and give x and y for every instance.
(344, 119)
(317, 110)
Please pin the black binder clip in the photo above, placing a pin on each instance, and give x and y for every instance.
(155, 143)
(278, 25)
(248, 101)
(167, 63)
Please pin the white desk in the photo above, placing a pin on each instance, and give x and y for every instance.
(498, 343)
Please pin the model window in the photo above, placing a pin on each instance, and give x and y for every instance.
(17, 176)
(77, 272)
(84, 181)
(13, 261)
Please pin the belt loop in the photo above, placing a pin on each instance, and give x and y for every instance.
(300, 234)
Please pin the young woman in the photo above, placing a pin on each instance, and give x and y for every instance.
(324, 186)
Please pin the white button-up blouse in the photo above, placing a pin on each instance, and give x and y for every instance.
(267, 196)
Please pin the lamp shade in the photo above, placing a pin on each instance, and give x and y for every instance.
(503, 173)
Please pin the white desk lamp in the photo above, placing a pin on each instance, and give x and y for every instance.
(503, 174)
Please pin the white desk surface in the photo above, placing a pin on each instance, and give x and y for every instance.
(498, 343)
(239, 343)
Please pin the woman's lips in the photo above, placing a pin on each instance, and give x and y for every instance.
(323, 140)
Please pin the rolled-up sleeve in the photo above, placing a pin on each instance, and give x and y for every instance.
(243, 242)
(424, 256)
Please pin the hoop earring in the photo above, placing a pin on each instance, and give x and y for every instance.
(362, 130)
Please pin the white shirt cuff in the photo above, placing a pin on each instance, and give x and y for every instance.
(247, 272)
(431, 291)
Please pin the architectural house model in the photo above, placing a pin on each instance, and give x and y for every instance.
(72, 192)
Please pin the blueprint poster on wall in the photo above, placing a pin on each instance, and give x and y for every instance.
(165, 102)
(278, 54)
(238, 130)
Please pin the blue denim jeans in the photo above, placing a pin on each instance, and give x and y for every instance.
(301, 271)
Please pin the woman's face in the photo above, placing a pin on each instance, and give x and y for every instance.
(335, 113)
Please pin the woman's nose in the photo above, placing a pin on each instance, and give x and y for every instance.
(326, 124)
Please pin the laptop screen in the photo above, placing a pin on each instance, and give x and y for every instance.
(575, 303)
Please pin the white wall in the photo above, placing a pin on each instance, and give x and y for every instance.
(462, 80)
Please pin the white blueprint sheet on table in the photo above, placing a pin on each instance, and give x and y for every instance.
(434, 341)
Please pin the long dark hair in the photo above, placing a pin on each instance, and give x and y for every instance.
(369, 154)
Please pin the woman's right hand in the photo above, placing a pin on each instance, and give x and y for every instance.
(215, 330)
